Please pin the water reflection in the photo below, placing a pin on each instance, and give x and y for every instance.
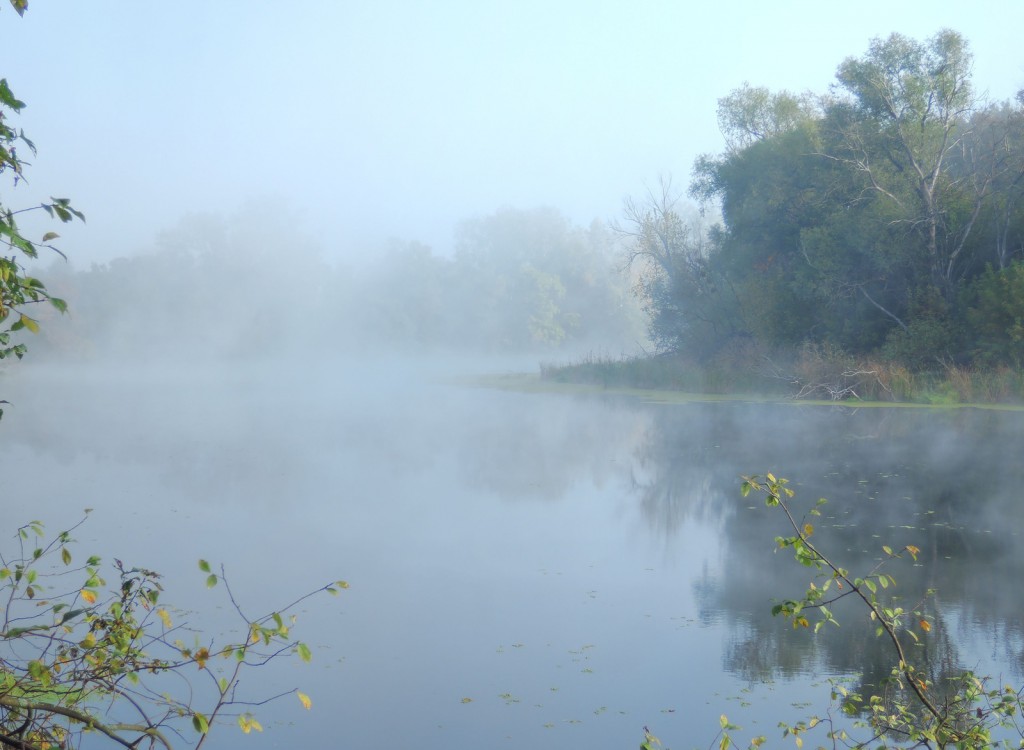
(589, 557)
(947, 482)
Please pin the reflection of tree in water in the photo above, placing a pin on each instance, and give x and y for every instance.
(667, 502)
(943, 481)
(545, 445)
(678, 467)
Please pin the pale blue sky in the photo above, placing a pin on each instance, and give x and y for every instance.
(386, 118)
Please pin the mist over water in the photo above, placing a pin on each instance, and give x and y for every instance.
(311, 230)
(577, 567)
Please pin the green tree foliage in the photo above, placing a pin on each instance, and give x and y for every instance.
(909, 103)
(753, 113)
(996, 316)
(859, 220)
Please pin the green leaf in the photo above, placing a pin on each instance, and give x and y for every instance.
(7, 96)
(211, 581)
(201, 723)
(204, 566)
(69, 616)
(304, 653)
(65, 555)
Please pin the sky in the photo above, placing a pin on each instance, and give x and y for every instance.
(366, 121)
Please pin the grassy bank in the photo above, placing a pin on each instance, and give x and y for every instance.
(811, 374)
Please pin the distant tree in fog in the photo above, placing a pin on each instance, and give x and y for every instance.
(249, 282)
(531, 279)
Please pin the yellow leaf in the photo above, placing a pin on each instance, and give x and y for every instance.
(304, 699)
(925, 625)
(164, 617)
(88, 596)
(467, 700)
(247, 722)
(808, 529)
(29, 323)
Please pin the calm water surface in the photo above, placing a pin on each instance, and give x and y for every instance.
(527, 571)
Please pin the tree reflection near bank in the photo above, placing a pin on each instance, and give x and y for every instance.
(945, 481)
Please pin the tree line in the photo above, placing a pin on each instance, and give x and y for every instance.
(517, 281)
(883, 218)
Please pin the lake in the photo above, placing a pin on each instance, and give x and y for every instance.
(527, 570)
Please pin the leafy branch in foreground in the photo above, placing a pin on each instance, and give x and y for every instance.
(79, 655)
(909, 710)
(18, 288)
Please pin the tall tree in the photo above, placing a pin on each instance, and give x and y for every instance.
(908, 102)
